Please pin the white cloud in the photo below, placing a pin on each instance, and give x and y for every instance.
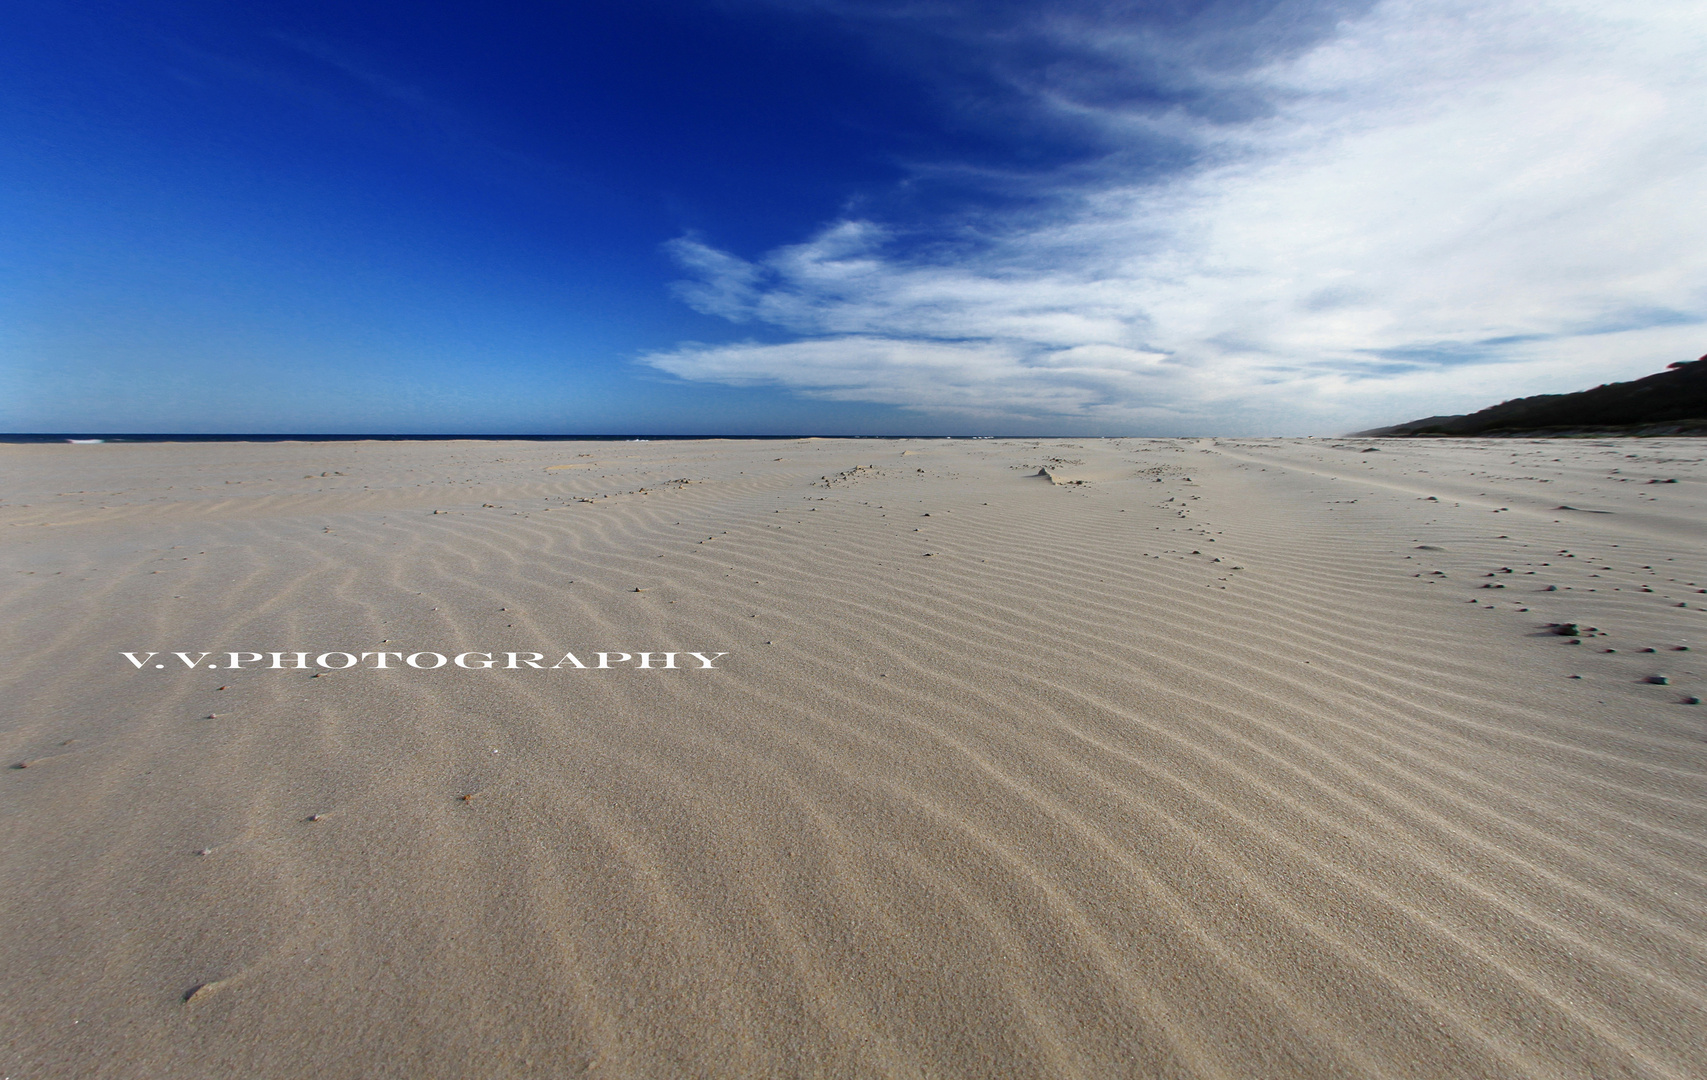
(993, 380)
(1449, 203)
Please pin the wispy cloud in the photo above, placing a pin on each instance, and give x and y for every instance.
(1437, 202)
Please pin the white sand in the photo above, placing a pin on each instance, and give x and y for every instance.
(1144, 776)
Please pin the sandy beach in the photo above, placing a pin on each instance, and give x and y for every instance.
(1066, 758)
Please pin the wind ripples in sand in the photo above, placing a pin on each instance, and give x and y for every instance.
(1137, 777)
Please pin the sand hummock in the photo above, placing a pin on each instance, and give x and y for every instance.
(1206, 758)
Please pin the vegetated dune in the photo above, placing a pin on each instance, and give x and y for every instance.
(1672, 402)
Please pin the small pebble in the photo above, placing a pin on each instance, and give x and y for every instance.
(202, 990)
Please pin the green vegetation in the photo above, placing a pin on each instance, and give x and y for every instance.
(1672, 402)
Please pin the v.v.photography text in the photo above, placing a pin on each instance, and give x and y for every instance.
(422, 661)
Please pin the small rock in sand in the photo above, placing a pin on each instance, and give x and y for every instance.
(202, 990)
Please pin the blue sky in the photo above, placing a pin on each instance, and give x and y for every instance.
(894, 216)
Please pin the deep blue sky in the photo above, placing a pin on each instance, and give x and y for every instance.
(769, 217)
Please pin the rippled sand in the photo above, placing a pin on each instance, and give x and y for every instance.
(1229, 761)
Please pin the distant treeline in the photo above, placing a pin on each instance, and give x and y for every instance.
(1672, 402)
